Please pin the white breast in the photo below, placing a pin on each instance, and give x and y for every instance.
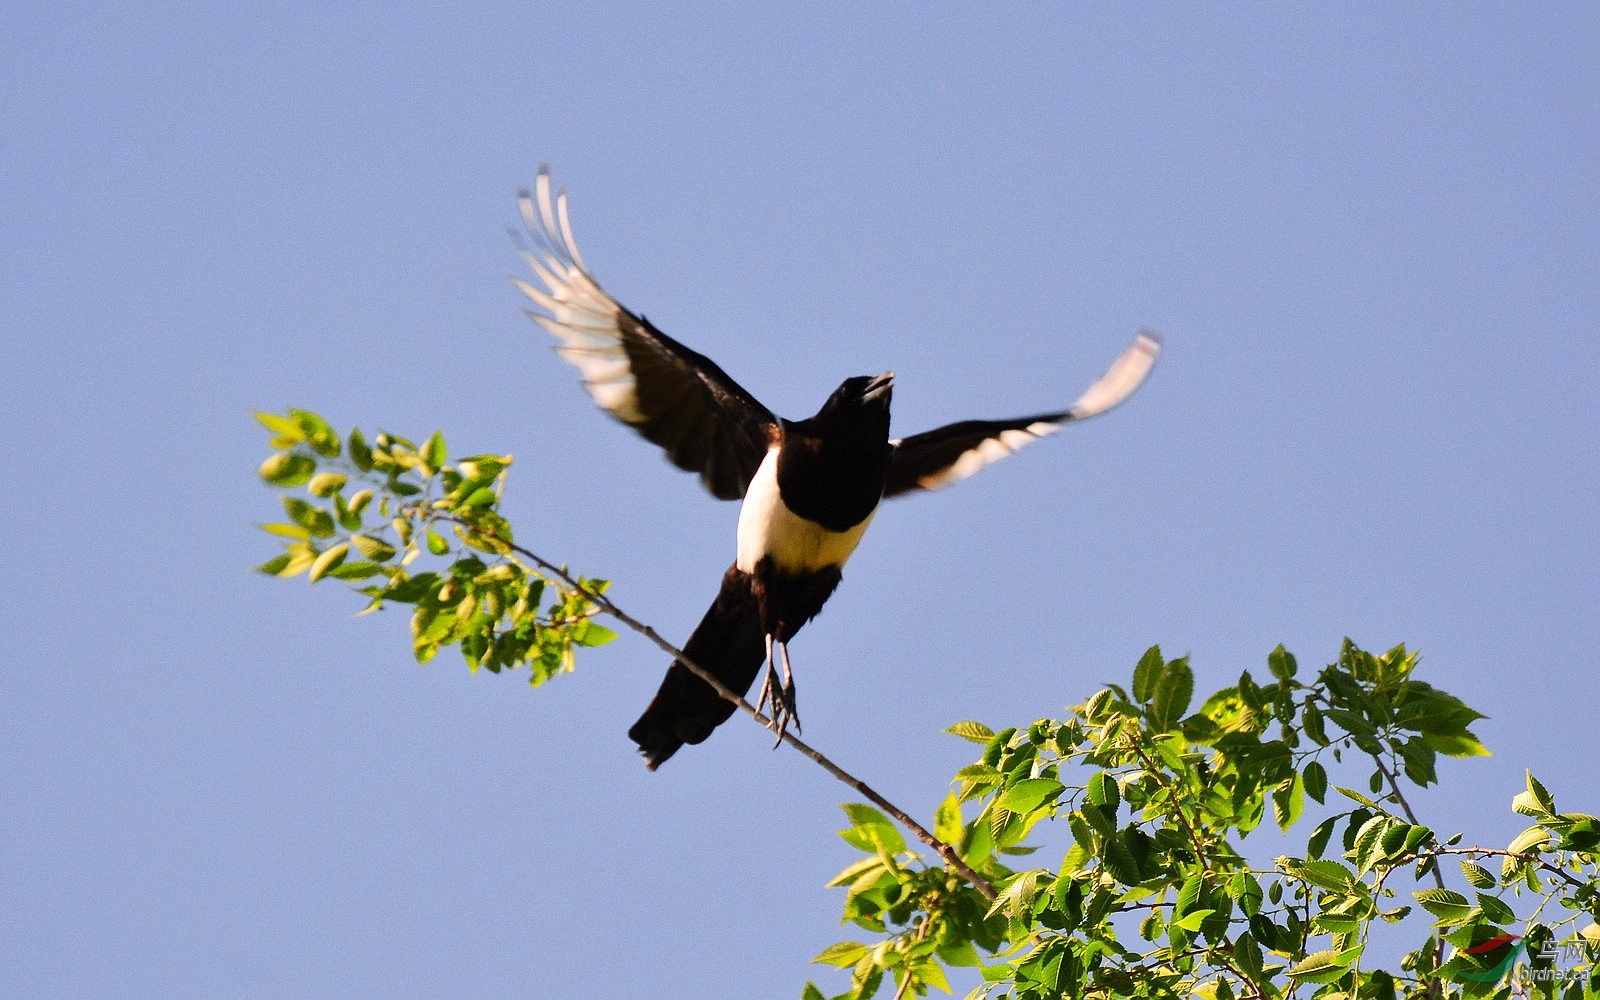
(768, 528)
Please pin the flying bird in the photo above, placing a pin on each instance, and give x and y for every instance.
(809, 488)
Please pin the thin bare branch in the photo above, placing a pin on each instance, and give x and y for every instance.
(1394, 786)
(606, 605)
(1471, 852)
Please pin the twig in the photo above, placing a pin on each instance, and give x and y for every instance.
(922, 934)
(1177, 806)
(1394, 786)
(1471, 852)
(605, 604)
(1434, 984)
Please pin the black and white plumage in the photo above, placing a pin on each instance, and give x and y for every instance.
(809, 487)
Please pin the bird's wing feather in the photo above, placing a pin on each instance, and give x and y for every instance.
(673, 396)
(950, 454)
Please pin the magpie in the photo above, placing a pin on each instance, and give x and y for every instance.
(809, 487)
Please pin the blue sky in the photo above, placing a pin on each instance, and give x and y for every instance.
(1371, 238)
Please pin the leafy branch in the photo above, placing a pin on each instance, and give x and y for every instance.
(1157, 795)
(1154, 798)
(489, 608)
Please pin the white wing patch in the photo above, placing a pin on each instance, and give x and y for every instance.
(573, 307)
(1121, 379)
(985, 452)
(1117, 384)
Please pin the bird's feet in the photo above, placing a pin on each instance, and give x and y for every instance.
(779, 693)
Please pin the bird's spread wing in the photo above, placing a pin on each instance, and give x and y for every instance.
(950, 454)
(673, 396)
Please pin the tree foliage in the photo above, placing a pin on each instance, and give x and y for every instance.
(412, 503)
(1156, 897)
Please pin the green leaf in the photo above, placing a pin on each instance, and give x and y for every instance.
(328, 561)
(844, 954)
(1427, 710)
(1541, 800)
(592, 633)
(1450, 907)
(294, 531)
(415, 589)
(1190, 894)
(947, 825)
(326, 484)
(1316, 781)
(282, 426)
(375, 549)
(977, 732)
(930, 974)
(274, 566)
(1191, 921)
(1529, 840)
(981, 774)
(1525, 804)
(1319, 837)
(1017, 897)
(285, 469)
(1457, 745)
(1326, 874)
(1288, 800)
(1368, 847)
(299, 558)
(341, 513)
(436, 543)
(1311, 719)
(483, 496)
(998, 973)
(1357, 796)
(854, 873)
(1174, 689)
(1248, 955)
(433, 452)
(1282, 663)
(356, 571)
(1102, 791)
(1495, 910)
(1401, 839)
(1029, 794)
(1150, 668)
(1582, 835)
(359, 452)
(871, 830)
(1244, 888)
(1477, 876)
(1353, 723)
(1419, 761)
(314, 519)
(484, 467)
(1119, 860)
(1319, 967)
(318, 434)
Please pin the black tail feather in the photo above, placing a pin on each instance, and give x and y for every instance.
(730, 643)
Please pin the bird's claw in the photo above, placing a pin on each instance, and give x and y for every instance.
(780, 694)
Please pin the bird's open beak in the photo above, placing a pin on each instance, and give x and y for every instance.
(878, 388)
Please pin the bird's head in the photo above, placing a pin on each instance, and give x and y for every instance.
(864, 397)
(858, 411)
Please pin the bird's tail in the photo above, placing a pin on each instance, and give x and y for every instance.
(730, 644)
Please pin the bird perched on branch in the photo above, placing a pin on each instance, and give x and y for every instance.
(809, 487)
